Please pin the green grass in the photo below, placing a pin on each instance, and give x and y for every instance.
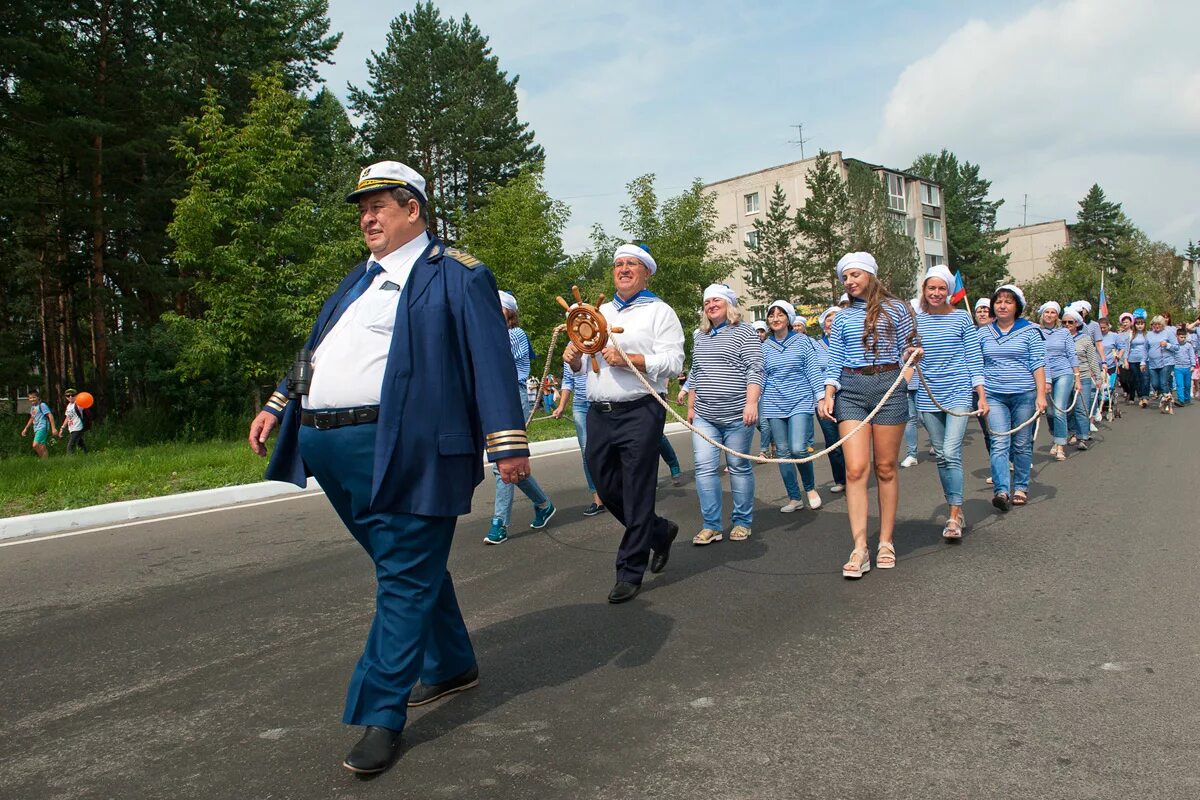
(112, 472)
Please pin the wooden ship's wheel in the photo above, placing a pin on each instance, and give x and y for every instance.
(586, 327)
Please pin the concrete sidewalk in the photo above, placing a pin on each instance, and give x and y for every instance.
(108, 513)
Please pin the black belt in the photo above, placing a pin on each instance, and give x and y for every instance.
(873, 370)
(324, 420)
(607, 407)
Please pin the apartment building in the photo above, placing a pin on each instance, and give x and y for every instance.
(1029, 247)
(915, 202)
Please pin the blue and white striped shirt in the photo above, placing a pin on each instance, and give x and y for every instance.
(793, 376)
(725, 361)
(952, 362)
(576, 384)
(522, 351)
(1158, 356)
(822, 345)
(1137, 349)
(1061, 358)
(846, 334)
(1113, 342)
(1010, 359)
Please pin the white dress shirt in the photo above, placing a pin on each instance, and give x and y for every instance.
(651, 330)
(349, 363)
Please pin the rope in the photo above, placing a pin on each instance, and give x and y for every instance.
(940, 407)
(758, 459)
(545, 374)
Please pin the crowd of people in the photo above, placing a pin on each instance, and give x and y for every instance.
(891, 367)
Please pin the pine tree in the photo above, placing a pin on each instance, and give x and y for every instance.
(774, 269)
(438, 101)
(974, 246)
(821, 223)
(872, 227)
(1102, 231)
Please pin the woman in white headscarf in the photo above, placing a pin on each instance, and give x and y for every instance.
(1062, 374)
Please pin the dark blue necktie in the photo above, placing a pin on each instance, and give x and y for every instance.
(356, 291)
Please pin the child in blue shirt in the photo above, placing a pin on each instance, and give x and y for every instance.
(1184, 360)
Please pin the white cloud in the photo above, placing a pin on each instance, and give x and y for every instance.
(1066, 95)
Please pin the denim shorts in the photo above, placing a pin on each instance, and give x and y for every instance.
(861, 393)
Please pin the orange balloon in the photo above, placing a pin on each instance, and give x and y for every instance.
(84, 400)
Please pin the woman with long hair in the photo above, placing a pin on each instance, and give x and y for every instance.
(1062, 374)
(829, 428)
(1014, 371)
(1138, 352)
(792, 382)
(867, 344)
(952, 368)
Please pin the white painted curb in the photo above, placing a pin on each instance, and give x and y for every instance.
(91, 516)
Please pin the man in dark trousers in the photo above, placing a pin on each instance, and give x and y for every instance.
(384, 408)
(625, 422)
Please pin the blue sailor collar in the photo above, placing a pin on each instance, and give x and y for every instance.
(642, 298)
(716, 328)
(784, 341)
(1019, 324)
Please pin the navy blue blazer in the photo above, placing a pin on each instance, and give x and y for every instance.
(449, 391)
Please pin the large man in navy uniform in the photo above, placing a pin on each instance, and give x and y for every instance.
(392, 428)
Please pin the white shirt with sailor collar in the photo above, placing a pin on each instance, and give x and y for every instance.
(650, 329)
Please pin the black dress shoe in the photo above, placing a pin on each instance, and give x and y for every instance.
(660, 557)
(375, 752)
(624, 591)
(423, 693)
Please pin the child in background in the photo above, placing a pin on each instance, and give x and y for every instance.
(42, 420)
(1185, 362)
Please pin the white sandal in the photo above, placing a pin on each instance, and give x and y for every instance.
(858, 565)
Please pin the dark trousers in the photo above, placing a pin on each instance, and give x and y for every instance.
(622, 456)
(837, 461)
(987, 437)
(418, 630)
(76, 440)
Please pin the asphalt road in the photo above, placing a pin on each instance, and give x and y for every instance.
(1052, 654)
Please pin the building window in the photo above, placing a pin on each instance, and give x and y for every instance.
(933, 260)
(751, 239)
(751, 202)
(895, 186)
(758, 312)
(931, 195)
(933, 229)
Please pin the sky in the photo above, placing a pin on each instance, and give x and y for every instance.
(1047, 97)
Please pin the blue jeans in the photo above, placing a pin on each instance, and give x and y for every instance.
(734, 435)
(837, 460)
(766, 434)
(1080, 423)
(910, 430)
(946, 432)
(1060, 393)
(1141, 379)
(1007, 411)
(792, 435)
(579, 417)
(1160, 379)
(668, 454)
(1183, 384)
(502, 508)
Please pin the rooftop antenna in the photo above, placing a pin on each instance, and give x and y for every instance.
(799, 140)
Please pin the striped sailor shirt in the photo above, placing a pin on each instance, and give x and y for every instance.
(952, 362)
(1158, 356)
(846, 334)
(1113, 343)
(522, 351)
(793, 376)
(576, 384)
(725, 361)
(1010, 359)
(1089, 357)
(1061, 358)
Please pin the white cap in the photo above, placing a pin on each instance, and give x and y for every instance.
(787, 308)
(825, 314)
(640, 252)
(863, 261)
(1051, 304)
(1016, 290)
(941, 272)
(1072, 312)
(508, 301)
(983, 301)
(384, 175)
(759, 325)
(722, 291)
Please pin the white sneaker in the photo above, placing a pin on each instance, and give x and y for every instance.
(838, 488)
(792, 505)
(911, 461)
(1094, 428)
(814, 500)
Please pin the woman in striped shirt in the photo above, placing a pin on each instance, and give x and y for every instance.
(1160, 354)
(1088, 359)
(792, 382)
(1014, 373)
(867, 344)
(829, 430)
(1138, 352)
(724, 386)
(1062, 374)
(952, 368)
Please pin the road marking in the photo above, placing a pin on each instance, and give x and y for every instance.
(235, 506)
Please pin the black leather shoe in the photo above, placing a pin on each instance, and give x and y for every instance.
(422, 693)
(375, 752)
(660, 557)
(624, 591)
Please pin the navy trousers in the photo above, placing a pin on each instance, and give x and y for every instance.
(418, 630)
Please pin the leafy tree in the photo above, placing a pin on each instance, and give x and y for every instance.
(438, 100)
(975, 248)
(821, 223)
(774, 268)
(872, 227)
(517, 232)
(263, 255)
